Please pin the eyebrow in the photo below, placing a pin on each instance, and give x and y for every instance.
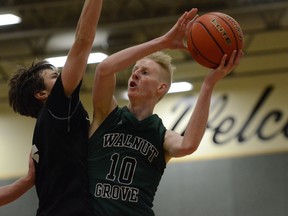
(55, 73)
(142, 67)
(134, 67)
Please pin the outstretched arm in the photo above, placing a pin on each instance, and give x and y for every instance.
(105, 79)
(178, 146)
(13, 191)
(75, 66)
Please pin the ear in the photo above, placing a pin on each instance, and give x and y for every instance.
(163, 88)
(41, 95)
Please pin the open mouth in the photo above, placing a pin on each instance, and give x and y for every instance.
(132, 84)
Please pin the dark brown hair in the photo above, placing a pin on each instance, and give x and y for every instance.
(23, 86)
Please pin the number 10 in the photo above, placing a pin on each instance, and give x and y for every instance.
(126, 170)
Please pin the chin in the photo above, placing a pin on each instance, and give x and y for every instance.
(132, 95)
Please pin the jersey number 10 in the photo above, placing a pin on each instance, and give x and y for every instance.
(122, 169)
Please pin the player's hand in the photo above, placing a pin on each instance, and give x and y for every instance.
(224, 68)
(176, 35)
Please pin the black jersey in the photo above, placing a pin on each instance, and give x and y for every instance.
(60, 142)
(125, 164)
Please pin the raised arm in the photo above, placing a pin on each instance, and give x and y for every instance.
(178, 146)
(11, 192)
(75, 66)
(105, 80)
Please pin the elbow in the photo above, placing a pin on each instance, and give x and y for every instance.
(190, 149)
(103, 68)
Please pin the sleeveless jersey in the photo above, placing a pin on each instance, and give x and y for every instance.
(60, 155)
(125, 164)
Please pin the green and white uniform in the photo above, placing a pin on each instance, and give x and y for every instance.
(125, 164)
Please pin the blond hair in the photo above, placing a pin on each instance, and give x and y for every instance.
(165, 61)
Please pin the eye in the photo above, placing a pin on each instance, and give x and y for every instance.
(144, 72)
(55, 75)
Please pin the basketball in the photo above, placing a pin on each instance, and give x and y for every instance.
(211, 36)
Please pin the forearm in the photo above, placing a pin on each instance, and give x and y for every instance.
(75, 65)
(197, 123)
(88, 21)
(125, 58)
(13, 191)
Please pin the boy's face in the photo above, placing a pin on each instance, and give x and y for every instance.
(49, 76)
(144, 80)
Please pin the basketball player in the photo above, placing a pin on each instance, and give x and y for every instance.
(61, 131)
(129, 147)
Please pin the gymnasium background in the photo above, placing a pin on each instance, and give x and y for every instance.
(241, 166)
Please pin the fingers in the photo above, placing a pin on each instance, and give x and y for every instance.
(232, 57)
(234, 60)
(188, 16)
(192, 13)
(223, 60)
(182, 19)
(191, 16)
(238, 57)
(195, 18)
(191, 22)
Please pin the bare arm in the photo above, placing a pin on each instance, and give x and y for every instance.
(75, 66)
(105, 80)
(13, 191)
(178, 146)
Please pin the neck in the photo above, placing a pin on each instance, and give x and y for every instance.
(140, 111)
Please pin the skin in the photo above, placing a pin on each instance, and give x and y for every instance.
(145, 80)
(49, 77)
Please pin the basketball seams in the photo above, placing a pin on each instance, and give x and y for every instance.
(211, 36)
(229, 26)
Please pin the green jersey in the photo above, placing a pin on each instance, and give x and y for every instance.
(125, 164)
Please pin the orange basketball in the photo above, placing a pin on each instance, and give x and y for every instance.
(211, 36)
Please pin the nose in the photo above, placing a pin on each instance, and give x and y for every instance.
(135, 75)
